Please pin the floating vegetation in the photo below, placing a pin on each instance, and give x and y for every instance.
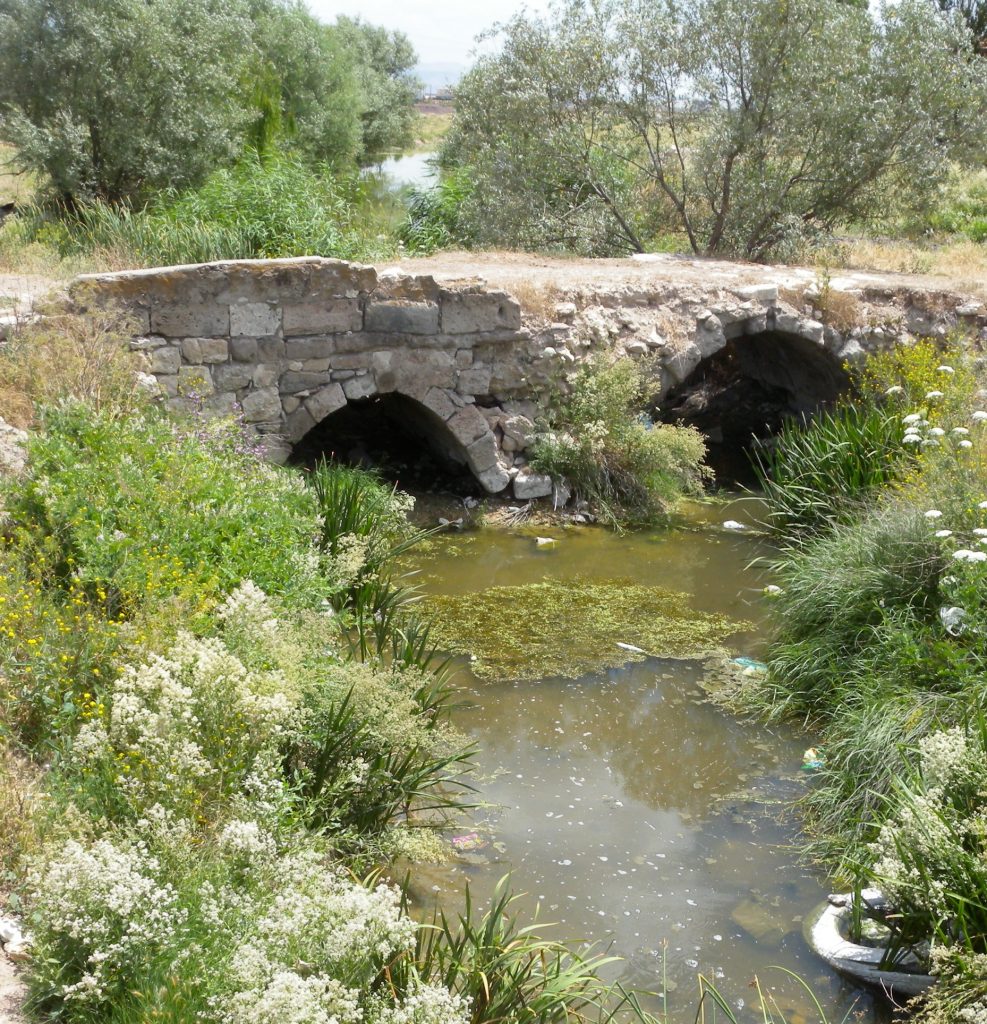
(571, 627)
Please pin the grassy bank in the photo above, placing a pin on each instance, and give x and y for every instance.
(233, 721)
(881, 616)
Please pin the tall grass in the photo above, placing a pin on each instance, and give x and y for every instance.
(256, 209)
(813, 474)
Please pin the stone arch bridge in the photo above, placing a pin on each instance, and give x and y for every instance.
(290, 343)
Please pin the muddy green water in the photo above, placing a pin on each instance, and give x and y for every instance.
(629, 810)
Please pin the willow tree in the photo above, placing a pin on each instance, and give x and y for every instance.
(743, 124)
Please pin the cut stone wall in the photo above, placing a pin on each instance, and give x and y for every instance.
(288, 342)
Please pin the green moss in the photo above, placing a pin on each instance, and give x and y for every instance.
(571, 627)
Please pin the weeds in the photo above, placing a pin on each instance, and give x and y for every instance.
(627, 467)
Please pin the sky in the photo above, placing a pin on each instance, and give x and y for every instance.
(442, 31)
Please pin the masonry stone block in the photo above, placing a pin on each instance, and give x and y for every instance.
(494, 479)
(333, 316)
(529, 484)
(439, 402)
(351, 361)
(254, 319)
(265, 375)
(294, 382)
(402, 317)
(166, 360)
(483, 453)
(319, 347)
(264, 404)
(244, 350)
(473, 313)
(233, 376)
(195, 380)
(468, 424)
(362, 386)
(325, 401)
(298, 424)
(474, 382)
(183, 320)
(464, 358)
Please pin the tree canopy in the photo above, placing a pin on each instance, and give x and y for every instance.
(115, 99)
(742, 124)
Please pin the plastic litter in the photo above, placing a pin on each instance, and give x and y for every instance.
(468, 843)
(732, 524)
(631, 648)
(812, 760)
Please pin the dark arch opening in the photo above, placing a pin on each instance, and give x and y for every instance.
(747, 390)
(397, 436)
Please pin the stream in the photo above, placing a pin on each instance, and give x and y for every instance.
(628, 810)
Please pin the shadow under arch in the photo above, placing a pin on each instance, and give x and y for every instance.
(396, 435)
(747, 389)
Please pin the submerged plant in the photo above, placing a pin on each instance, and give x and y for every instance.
(572, 627)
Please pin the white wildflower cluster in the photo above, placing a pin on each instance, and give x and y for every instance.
(917, 852)
(946, 759)
(287, 997)
(321, 916)
(347, 565)
(179, 724)
(247, 841)
(428, 1004)
(105, 900)
(248, 607)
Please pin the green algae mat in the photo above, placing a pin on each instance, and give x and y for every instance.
(572, 627)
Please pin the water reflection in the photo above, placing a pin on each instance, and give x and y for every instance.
(631, 811)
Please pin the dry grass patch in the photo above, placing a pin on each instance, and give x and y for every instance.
(68, 356)
(963, 262)
(537, 300)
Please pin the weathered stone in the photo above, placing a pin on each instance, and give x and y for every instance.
(292, 383)
(222, 404)
(320, 347)
(519, 432)
(290, 403)
(194, 380)
(464, 358)
(439, 402)
(766, 293)
(467, 425)
(165, 360)
(681, 363)
(528, 484)
(402, 317)
(314, 365)
(335, 316)
(254, 319)
(494, 479)
(636, 349)
(265, 375)
(185, 320)
(325, 401)
(483, 453)
(351, 361)
(233, 376)
(205, 350)
(474, 382)
(145, 344)
(471, 313)
(244, 350)
(264, 404)
(362, 386)
(298, 424)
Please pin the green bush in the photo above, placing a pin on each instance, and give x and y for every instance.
(629, 468)
(434, 216)
(256, 209)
